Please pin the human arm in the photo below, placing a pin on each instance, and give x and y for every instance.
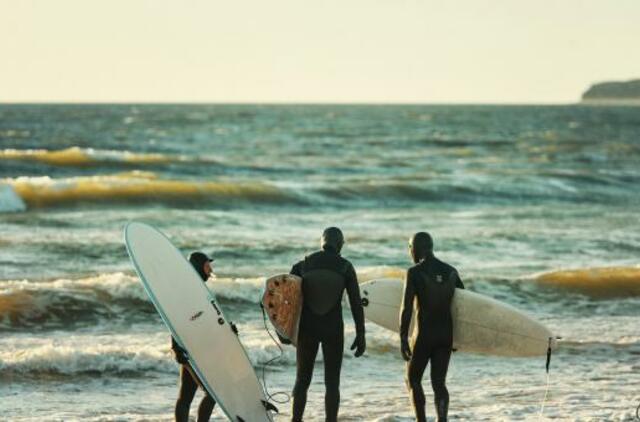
(456, 277)
(297, 269)
(355, 303)
(180, 354)
(406, 311)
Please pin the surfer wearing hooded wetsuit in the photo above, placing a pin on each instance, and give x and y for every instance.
(189, 381)
(325, 277)
(431, 283)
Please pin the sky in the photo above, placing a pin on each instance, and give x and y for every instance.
(314, 51)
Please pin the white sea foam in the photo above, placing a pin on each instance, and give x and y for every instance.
(238, 289)
(10, 201)
(84, 353)
(145, 348)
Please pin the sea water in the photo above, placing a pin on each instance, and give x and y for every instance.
(509, 193)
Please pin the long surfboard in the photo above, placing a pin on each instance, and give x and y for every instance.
(196, 321)
(480, 324)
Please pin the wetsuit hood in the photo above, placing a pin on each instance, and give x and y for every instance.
(198, 259)
(421, 246)
(332, 239)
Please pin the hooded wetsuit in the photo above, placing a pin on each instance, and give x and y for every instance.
(325, 277)
(431, 283)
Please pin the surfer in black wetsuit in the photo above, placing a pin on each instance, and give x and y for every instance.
(189, 381)
(325, 277)
(432, 284)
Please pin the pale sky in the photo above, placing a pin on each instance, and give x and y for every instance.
(373, 51)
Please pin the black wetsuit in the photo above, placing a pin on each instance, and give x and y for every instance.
(325, 276)
(188, 385)
(433, 283)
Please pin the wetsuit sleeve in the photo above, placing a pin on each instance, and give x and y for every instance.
(175, 346)
(297, 269)
(406, 309)
(355, 302)
(179, 353)
(456, 277)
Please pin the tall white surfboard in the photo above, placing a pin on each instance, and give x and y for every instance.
(196, 321)
(480, 324)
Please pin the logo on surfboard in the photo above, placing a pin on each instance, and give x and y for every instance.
(196, 316)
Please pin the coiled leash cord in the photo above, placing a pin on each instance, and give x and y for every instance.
(273, 397)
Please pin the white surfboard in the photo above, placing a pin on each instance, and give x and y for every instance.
(480, 324)
(197, 323)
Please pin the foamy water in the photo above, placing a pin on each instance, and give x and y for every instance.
(536, 207)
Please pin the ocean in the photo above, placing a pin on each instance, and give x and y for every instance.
(536, 206)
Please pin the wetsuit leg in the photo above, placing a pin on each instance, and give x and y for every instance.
(306, 353)
(415, 371)
(332, 350)
(439, 365)
(188, 387)
(205, 408)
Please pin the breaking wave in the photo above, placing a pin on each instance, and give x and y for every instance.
(596, 282)
(133, 354)
(121, 356)
(86, 157)
(116, 297)
(63, 302)
(136, 187)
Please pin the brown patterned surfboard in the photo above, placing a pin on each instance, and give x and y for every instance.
(282, 301)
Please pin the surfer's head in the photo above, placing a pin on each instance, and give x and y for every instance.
(202, 264)
(332, 239)
(421, 246)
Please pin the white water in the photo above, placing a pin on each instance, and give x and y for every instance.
(10, 201)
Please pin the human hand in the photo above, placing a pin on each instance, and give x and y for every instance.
(359, 344)
(405, 350)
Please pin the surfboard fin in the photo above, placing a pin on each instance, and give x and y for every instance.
(239, 419)
(270, 406)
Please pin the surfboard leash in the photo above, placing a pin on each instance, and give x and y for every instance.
(544, 400)
(273, 397)
(546, 390)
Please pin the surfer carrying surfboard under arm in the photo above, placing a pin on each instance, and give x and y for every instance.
(189, 381)
(325, 276)
(432, 284)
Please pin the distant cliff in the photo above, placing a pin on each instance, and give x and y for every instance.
(613, 93)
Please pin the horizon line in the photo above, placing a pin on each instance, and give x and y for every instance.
(292, 103)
